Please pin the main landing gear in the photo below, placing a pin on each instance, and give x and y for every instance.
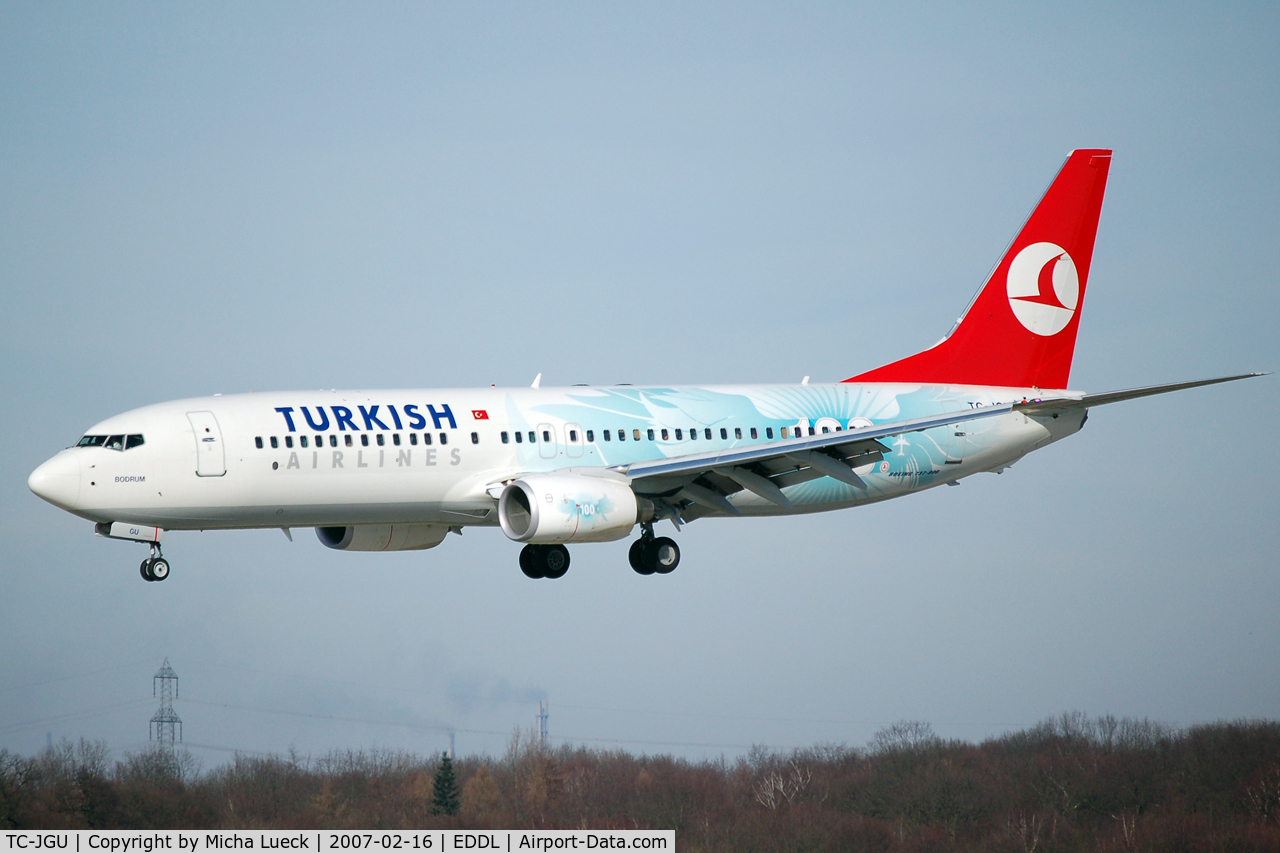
(544, 561)
(649, 555)
(155, 567)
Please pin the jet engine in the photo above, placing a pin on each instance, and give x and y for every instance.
(546, 508)
(382, 537)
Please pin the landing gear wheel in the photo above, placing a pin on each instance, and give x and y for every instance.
(555, 561)
(636, 556)
(159, 569)
(531, 560)
(663, 555)
(145, 570)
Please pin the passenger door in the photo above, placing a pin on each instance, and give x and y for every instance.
(211, 460)
(956, 436)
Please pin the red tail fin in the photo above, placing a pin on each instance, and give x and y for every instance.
(1020, 331)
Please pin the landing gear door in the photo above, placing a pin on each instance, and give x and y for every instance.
(211, 460)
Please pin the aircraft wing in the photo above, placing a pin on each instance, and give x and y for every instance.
(706, 479)
(1085, 401)
(765, 469)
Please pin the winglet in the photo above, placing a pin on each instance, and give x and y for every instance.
(537, 381)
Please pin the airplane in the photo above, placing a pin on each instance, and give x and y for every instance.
(397, 470)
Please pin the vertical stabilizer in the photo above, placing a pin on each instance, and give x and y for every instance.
(1021, 329)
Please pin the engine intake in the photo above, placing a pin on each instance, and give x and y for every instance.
(569, 508)
(382, 537)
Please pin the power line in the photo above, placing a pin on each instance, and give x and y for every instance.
(657, 713)
(430, 727)
(69, 677)
(73, 715)
(236, 750)
(399, 723)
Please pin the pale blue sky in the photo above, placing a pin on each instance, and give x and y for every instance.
(204, 199)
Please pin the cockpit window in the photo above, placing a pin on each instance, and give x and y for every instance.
(132, 441)
(115, 442)
(92, 441)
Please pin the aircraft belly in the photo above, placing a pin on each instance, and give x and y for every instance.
(308, 515)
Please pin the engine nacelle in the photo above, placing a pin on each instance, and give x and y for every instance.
(548, 508)
(383, 537)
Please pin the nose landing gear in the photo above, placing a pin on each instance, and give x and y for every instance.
(650, 555)
(155, 567)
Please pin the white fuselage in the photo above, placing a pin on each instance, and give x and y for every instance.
(316, 459)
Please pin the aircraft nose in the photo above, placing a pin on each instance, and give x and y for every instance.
(58, 480)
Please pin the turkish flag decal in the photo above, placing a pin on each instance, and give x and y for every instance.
(480, 414)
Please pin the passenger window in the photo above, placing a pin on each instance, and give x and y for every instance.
(395, 439)
(768, 432)
(737, 432)
(382, 440)
(622, 435)
(319, 441)
(591, 435)
(347, 439)
(811, 430)
(288, 441)
(426, 438)
(693, 434)
(506, 437)
(413, 439)
(724, 433)
(573, 435)
(444, 438)
(364, 439)
(546, 435)
(824, 429)
(533, 438)
(115, 442)
(132, 441)
(635, 433)
(707, 432)
(475, 438)
(753, 433)
(784, 432)
(258, 442)
(664, 435)
(679, 435)
(275, 443)
(519, 438)
(302, 439)
(606, 436)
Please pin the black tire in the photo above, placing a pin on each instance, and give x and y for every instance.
(636, 556)
(663, 555)
(531, 561)
(159, 568)
(555, 561)
(145, 570)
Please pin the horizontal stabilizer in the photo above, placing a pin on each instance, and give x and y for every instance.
(1044, 406)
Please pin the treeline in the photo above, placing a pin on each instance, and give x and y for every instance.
(1071, 783)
